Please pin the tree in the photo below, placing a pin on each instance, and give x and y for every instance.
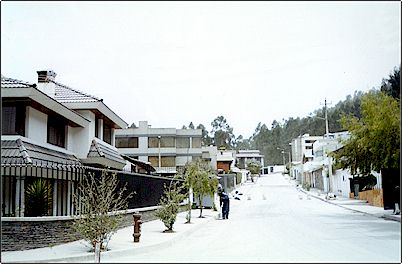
(206, 139)
(201, 178)
(170, 205)
(241, 143)
(132, 126)
(392, 85)
(191, 125)
(254, 169)
(222, 132)
(375, 137)
(95, 200)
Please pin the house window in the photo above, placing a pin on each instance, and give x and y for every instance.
(183, 142)
(107, 133)
(154, 161)
(56, 131)
(168, 142)
(166, 161)
(126, 142)
(13, 120)
(153, 142)
(165, 142)
(196, 142)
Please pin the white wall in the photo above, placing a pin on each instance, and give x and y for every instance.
(182, 160)
(82, 137)
(36, 125)
(340, 183)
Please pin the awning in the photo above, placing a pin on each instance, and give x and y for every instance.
(104, 154)
(311, 166)
(143, 164)
(19, 150)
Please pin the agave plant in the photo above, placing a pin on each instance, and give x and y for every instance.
(38, 198)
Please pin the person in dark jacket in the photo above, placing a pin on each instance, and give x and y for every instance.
(224, 203)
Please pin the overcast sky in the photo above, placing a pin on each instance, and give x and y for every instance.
(175, 62)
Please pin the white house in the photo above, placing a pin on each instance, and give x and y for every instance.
(50, 125)
(243, 157)
(302, 151)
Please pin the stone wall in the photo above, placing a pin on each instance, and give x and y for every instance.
(28, 234)
(21, 233)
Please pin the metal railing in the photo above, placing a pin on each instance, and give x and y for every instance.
(59, 183)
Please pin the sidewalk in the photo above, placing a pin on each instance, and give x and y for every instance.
(360, 206)
(121, 243)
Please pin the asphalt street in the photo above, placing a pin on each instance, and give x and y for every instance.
(274, 222)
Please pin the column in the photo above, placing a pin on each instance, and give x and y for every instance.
(55, 198)
(19, 196)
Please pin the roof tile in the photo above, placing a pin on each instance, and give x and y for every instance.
(14, 83)
(65, 94)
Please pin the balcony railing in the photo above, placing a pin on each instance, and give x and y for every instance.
(165, 169)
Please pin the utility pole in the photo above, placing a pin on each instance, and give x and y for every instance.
(326, 117)
(159, 152)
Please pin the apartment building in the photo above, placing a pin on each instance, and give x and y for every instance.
(167, 149)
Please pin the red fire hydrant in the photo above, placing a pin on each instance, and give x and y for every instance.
(137, 226)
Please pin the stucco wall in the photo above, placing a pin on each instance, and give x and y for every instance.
(36, 127)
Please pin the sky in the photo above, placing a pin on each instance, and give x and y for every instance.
(172, 63)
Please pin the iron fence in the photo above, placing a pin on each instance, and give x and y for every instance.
(30, 190)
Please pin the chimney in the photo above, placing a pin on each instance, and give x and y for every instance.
(46, 82)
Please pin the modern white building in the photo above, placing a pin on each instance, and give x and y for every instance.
(167, 149)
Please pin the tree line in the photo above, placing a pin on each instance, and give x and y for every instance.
(269, 139)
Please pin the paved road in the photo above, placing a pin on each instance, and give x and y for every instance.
(275, 225)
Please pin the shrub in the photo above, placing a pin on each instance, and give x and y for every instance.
(38, 196)
(170, 205)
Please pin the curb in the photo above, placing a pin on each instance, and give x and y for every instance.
(384, 216)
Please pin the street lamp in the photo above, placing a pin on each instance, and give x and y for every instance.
(283, 156)
(159, 152)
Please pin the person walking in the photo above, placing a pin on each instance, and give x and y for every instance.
(224, 203)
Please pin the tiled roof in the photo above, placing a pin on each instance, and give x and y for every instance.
(100, 149)
(146, 165)
(65, 94)
(14, 83)
(21, 152)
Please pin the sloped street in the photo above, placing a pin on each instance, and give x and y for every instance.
(274, 222)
